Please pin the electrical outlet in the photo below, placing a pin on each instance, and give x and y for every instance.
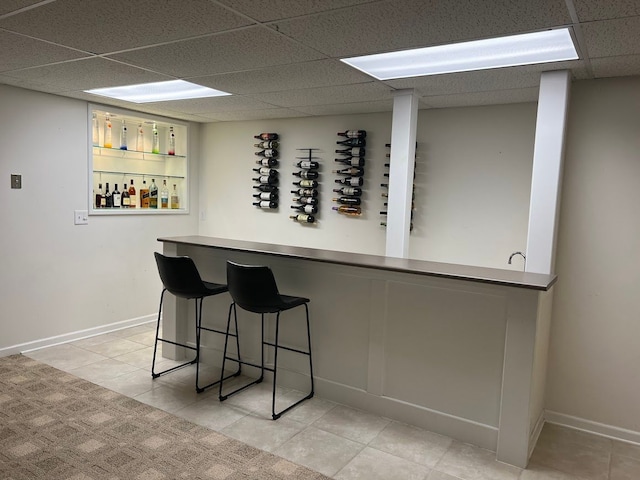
(16, 180)
(80, 217)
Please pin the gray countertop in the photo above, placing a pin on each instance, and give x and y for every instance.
(511, 278)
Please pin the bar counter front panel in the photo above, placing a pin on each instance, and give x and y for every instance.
(458, 352)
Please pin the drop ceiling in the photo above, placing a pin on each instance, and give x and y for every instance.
(280, 58)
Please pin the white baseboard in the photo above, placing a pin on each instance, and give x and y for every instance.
(609, 431)
(535, 433)
(73, 336)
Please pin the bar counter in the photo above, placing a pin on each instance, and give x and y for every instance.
(454, 349)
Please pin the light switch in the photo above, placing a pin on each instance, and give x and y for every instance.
(16, 180)
(80, 217)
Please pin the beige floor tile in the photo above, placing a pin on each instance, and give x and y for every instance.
(435, 475)
(372, 464)
(115, 347)
(472, 463)
(352, 424)
(624, 468)
(138, 358)
(257, 398)
(627, 449)
(103, 370)
(169, 399)
(95, 340)
(147, 338)
(65, 357)
(128, 332)
(310, 410)
(211, 413)
(263, 433)
(131, 384)
(412, 443)
(540, 472)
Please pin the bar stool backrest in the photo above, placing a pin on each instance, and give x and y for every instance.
(253, 288)
(180, 276)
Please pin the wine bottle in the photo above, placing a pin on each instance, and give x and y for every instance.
(350, 181)
(306, 192)
(126, 198)
(303, 218)
(267, 145)
(267, 153)
(307, 174)
(175, 200)
(352, 152)
(353, 134)
(353, 142)
(123, 136)
(353, 191)
(348, 210)
(265, 171)
(266, 136)
(384, 224)
(347, 200)
(272, 196)
(96, 130)
(164, 195)
(305, 208)
(116, 197)
(155, 139)
(306, 184)
(153, 194)
(268, 179)
(266, 204)
(352, 171)
(267, 162)
(140, 138)
(144, 195)
(306, 200)
(100, 197)
(108, 197)
(108, 142)
(266, 187)
(133, 198)
(172, 142)
(353, 161)
(307, 164)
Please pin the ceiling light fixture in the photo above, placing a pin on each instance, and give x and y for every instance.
(158, 92)
(524, 49)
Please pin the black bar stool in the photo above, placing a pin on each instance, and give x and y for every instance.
(253, 288)
(180, 277)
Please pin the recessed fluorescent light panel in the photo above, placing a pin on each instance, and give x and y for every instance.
(158, 92)
(524, 49)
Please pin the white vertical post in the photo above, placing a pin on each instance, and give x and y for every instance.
(548, 156)
(403, 150)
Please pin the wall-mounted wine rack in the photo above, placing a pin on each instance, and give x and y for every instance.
(267, 181)
(306, 187)
(385, 195)
(351, 173)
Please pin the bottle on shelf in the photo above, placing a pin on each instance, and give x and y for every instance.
(353, 142)
(348, 210)
(108, 197)
(267, 162)
(303, 218)
(272, 196)
(140, 138)
(133, 198)
(352, 152)
(265, 187)
(153, 194)
(164, 195)
(267, 153)
(352, 191)
(266, 136)
(266, 204)
(116, 197)
(267, 145)
(306, 192)
(307, 174)
(108, 140)
(144, 195)
(352, 171)
(100, 197)
(307, 164)
(353, 134)
(126, 198)
(306, 184)
(155, 139)
(305, 208)
(123, 135)
(350, 181)
(348, 200)
(172, 142)
(353, 161)
(175, 200)
(265, 171)
(268, 179)
(95, 135)
(306, 200)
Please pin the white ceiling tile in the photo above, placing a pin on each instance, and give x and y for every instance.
(622, 66)
(233, 103)
(361, 92)
(7, 6)
(348, 108)
(613, 37)
(482, 98)
(99, 26)
(267, 10)
(589, 10)
(255, 115)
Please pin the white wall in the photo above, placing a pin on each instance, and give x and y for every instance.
(595, 335)
(59, 278)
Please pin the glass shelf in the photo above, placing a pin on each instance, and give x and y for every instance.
(130, 174)
(132, 154)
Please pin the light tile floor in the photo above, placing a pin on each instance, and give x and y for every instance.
(336, 440)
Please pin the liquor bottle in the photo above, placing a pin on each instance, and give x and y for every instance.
(108, 143)
(307, 164)
(140, 139)
(306, 184)
(96, 130)
(306, 200)
(352, 171)
(264, 187)
(306, 192)
(352, 191)
(353, 161)
(153, 194)
(144, 195)
(99, 197)
(116, 197)
(347, 200)
(267, 162)
(267, 153)
(108, 197)
(352, 152)
(164, 195)
(267, 145)
(306, 174)
(133, 198)
(353, 142)
(353, 134)
(272, 196)
(268, 179)
(123, 136)
(305, 208)
(175, 200)
(303, 218)
(350, 181)
(266, 136)
(265, 171)
(266, 204)
(172, 142)
(348, 210)
(155, 139)
(126, 198)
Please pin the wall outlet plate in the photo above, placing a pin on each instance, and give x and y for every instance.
(80, 217)
(16, 180)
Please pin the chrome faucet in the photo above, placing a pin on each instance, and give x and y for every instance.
(517, 253)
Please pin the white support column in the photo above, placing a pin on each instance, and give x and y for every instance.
(403, 149)
(548, 156)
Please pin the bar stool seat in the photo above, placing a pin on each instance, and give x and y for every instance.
(181, 278)
(253, 288)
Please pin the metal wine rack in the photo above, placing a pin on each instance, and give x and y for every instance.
(350, 173)
(306, 201)
(385, 195)
(266, 196)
